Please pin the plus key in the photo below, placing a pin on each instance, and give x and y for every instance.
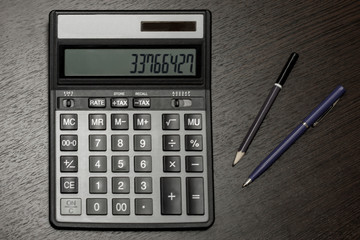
(170, 195)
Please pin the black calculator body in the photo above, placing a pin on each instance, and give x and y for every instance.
(130, 120)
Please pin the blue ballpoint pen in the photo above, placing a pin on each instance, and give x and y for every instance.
(311, 120)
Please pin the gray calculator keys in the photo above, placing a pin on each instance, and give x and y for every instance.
(142, 164)
(97, 121)
(69, 185)
(98, 185)
(193, 143)
(171, 142)
(142, 102)
(193, 121)
(132, 165)
(142, 121)
(121, 206)
(171, 163)
(170, 122)
(170, 195)
(143, 206)
(120, 142)
(119, 121)
(120, 163)
(120, 185)
(68, 121)
(142, 142)
(195, 195)
(119, 102)
(68, 142)
(96, 206)
(194, 163)
(68, 163)
(97, 102)
(97, 142)
(143, 185)
(97, 164)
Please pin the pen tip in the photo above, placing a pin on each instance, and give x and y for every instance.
(238, 156)
(248, 181)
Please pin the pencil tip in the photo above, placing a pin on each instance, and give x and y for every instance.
(248, 181)
(238, 156)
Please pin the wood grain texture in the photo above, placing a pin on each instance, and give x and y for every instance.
(311, 192)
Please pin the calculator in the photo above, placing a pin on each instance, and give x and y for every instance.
(130, 120)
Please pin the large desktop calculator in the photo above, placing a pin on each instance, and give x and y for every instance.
(130, 119)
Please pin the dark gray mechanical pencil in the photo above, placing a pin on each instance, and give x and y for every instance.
(266, 107)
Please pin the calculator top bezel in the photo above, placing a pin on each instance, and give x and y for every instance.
(202, 45)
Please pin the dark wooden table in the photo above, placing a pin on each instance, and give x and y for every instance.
(311, 192)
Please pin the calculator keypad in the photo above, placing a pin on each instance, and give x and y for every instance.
(127, 165)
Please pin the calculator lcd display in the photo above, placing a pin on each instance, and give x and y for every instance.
(130, 62)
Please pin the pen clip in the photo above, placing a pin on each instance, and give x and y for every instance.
(324, 114)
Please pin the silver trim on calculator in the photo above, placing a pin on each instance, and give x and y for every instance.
(120, 26)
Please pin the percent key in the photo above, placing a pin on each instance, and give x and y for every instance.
(193, 143)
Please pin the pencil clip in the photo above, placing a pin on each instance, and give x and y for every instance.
(325, 113)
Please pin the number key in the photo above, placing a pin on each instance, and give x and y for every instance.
(97, 142)
(120, 163)
(143, 185)
(142, 142)
(120, 185)
(98, 185)
(97, 164)
(96, 206)
(121, 206)
(142, 164)
(120, 142)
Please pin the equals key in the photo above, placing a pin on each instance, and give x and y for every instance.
(195, 195)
